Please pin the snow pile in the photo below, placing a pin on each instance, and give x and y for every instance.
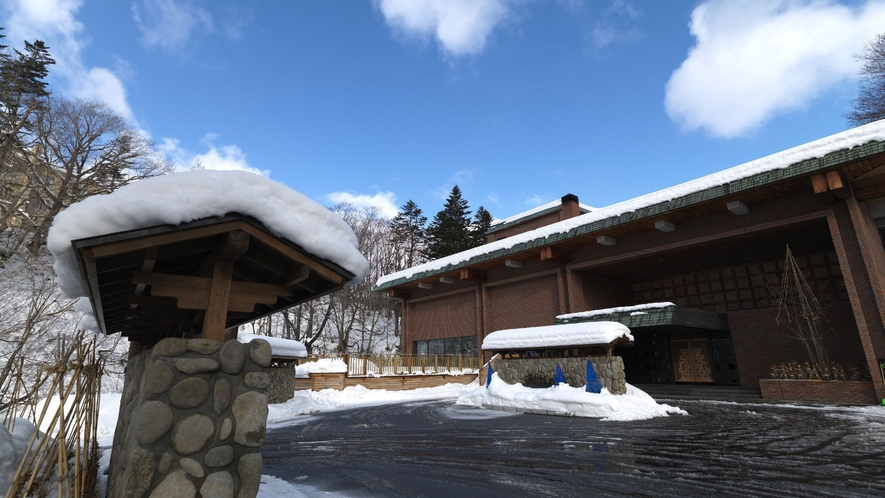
(13, 445)
(563, 399)
(183, 197)
(323, 365)
(551, 336)
(781, 160)
(278, 347)
(633, 310)
(307, 402)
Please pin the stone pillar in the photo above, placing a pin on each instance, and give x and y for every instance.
(192, 418)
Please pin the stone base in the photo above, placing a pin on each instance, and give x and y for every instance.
(282, 384)
(539, 371)
(192, 417)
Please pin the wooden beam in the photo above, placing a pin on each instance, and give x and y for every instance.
(837, 186)
(88, 258)
(473, 275)
(820, 187)
(399, 294)
(137, 244)
(194, 293)
(555, 254)
(293, 254)
(296, 276)
(234, 245)
(215, 319)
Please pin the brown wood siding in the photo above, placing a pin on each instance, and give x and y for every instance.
(527, 302)
(452, 315)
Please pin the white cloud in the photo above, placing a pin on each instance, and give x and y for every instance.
(615, 24)
(169, 24)
(55, 22)
(224, 157)
(534, 200)
(384, 202)
(753, 60)
(460, 27)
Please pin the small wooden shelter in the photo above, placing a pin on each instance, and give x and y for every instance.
(199, 278)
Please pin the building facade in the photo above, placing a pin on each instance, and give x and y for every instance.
(714, 247)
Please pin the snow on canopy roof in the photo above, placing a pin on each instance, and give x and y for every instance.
(554, 336)
(286, 348)
(187, 196)
(781, 160)
(620, 309)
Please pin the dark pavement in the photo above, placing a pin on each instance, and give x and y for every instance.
(436, 449)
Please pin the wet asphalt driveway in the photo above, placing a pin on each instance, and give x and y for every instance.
(437, 449)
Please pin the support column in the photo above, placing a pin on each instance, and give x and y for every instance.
(862, 261)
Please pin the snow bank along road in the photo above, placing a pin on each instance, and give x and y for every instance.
(437, 449)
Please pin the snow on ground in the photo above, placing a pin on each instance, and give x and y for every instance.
(781, 160)
(563, 399)
(278, 347)
(191, 195)
(309, 402)
(552, 336)
(323, 365)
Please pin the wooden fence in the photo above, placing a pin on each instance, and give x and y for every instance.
(361, 365)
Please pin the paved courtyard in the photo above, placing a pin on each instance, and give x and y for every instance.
(437, 449)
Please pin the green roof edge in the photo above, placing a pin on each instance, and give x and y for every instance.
(766, 177)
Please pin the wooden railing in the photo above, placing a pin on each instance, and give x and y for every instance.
(397, 364)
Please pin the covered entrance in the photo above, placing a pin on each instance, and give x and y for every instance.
(672, 344)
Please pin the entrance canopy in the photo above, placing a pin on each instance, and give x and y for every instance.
(574, 335)
(651, 315)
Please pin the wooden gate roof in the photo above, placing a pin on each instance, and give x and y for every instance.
(166, 280)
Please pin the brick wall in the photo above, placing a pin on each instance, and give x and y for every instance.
(528, 302)
(759, 342)
(859, 392)
(450, 315)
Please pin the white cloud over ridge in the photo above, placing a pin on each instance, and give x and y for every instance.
(55, 22)
(753, 60)
(460, 27)
(169, 24)
(224, 157)
(384, 202)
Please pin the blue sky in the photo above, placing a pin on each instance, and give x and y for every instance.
(517, 101)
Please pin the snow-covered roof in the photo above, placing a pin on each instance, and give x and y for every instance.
(639, 308)
(282, 348)
(873, 132)
(554, 336)
(537, 209)
(183, 197)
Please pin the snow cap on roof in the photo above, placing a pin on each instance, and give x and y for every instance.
(554, 336)
(620, 309)
(183, 197)
(873, 132)
(286, 348)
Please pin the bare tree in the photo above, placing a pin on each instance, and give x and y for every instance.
(869, 105)
(83, 148)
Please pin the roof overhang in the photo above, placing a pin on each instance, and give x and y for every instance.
(851, 163)
(158, 282)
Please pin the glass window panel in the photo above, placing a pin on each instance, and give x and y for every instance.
(422, 347)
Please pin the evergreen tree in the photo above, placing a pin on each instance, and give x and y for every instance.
(450, 230)
(409, 233)
(482, 221)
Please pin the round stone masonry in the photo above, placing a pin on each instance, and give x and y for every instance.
(198, 416)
